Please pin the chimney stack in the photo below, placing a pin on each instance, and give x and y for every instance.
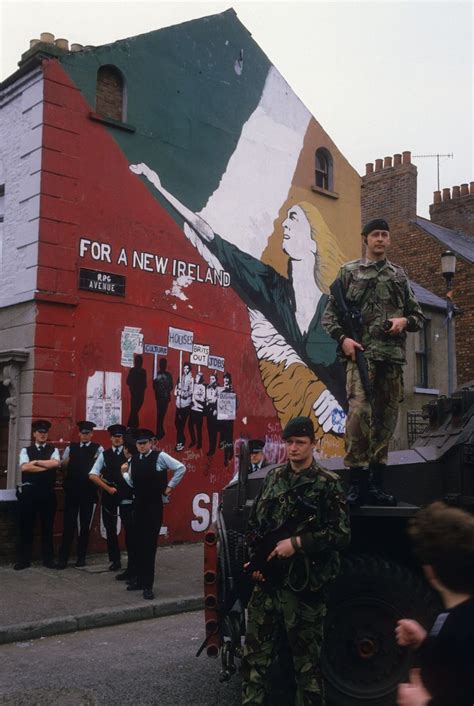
(454, 208)
(389, 190)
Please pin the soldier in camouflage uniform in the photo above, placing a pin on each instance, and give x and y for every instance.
(290, 603)
(380, 291)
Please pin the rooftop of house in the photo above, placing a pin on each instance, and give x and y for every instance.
(460, 243)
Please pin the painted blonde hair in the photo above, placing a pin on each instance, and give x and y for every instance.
(329, 257)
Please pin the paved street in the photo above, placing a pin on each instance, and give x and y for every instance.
(149, 662)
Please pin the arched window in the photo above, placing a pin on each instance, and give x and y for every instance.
(323, 169)
(110, 93)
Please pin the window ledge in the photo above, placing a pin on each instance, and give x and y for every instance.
(426, 391)
(113, 123)
(324, 192)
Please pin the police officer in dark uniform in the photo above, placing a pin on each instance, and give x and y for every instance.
(80, 495)
(257, 458)
(36, 496)
(106, 473)
(148, 476)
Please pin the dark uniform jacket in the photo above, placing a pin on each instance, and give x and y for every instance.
(81, 460)
(43, 481)
(112, 473)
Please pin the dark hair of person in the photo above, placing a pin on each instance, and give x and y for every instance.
(131, 447)
(443, 537)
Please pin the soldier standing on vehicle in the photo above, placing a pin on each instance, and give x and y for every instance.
(106, 473)
(308, 502)
(80, 495)
(379, 296)
(36, 495)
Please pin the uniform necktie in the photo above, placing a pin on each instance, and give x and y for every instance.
(142, 456)
(117, 452)
(255, 467)
(41, 447)
(83, 445)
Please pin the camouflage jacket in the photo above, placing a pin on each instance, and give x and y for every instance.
(379, 293)
(323, 530)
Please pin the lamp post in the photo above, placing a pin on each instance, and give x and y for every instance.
(448, 268)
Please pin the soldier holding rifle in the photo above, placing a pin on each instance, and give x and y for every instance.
(370, 309)
(297, 524)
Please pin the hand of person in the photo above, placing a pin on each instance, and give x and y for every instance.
(409, 633)
(350, 347)
(398, 325)
(283, 550)
(124, 468)
(168, 491)
(144, 169)
(256, 575)
(413, 693)
(329, 413)
(111, 490)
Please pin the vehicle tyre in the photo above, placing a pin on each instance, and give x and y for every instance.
(361, 661)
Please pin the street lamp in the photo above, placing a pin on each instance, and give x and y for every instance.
(448, 268)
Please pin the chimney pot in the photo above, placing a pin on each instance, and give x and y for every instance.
(47, 37)
(387, 162)
(447, 194)
(406, 157)
(437, 197)
(456, 192)
(464, 189)
(369, 168)
(76, 47)
(34, 42)
(397, 159)
(62, 43)
(471, 188)
(378, 164)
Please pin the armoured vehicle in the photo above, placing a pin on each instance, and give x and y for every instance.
(380, 581)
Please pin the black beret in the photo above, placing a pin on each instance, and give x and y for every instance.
(143, 435)
(85, 426)
(256, 445)
(116, 429)
(299, 426)
(375, 224)
(41, 425)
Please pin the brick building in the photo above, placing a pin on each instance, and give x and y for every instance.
(98, 267)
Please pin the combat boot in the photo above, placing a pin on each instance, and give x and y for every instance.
(358, 493)
(377, 495)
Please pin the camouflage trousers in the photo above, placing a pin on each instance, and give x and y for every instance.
(370, 424)
(274, 614)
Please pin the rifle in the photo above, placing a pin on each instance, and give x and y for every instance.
(352, 326)
(264, 544)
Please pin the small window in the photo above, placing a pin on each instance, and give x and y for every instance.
(110, 93)
(422, 351)
(323, 169)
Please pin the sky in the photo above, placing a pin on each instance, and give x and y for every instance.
(381, 77)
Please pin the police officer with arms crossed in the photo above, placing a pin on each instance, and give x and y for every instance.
(381, 293)
(80, 495)
(148, 477)
(307, 502)
(36, 496)
(106, 474)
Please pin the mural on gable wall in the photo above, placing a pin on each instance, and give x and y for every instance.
(225, 252)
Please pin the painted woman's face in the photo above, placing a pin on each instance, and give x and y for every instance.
(297, 240)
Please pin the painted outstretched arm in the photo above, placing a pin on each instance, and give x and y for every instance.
(202, 228)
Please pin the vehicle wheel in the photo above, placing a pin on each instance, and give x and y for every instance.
(361, 661)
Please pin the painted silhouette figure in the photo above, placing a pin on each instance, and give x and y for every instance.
(136, 381)
(162, 387)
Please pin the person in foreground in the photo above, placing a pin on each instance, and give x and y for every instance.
(306, 503)
(444, 543)
(382, 305)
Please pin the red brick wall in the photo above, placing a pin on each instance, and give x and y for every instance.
(454, 208)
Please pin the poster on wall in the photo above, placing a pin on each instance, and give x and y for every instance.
(226, 406)
(131, 342)
(180, 339)
(104, 399)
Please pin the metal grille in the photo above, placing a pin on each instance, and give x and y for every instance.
(416, 425)
(236, 544)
